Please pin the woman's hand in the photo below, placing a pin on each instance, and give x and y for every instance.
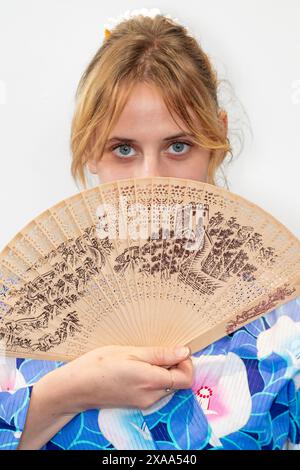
(110, 376)
(121, 376)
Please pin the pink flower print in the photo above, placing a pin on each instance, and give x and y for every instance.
(10, 377)
(221, 388)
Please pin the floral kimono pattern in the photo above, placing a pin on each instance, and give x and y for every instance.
(245, 395)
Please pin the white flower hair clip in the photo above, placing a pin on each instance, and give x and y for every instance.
(112, 22)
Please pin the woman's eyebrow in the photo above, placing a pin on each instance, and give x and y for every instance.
(127, 139)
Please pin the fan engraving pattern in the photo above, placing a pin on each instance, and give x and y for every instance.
(61, 283)
(280, 294)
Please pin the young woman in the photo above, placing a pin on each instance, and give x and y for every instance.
(147, 106)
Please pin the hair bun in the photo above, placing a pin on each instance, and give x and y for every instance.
(114, 21)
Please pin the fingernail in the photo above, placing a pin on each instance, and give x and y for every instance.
(181, 351)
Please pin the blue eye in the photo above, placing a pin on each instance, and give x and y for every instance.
(178, 145)
(126, 150)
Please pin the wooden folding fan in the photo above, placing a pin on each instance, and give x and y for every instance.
(144, 262)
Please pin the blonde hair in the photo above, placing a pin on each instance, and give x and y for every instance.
(158, 51)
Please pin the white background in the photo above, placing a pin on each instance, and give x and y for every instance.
(46, 45)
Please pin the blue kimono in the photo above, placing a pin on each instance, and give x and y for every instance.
(245, 395)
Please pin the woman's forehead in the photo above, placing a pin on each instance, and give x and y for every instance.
(145, 110)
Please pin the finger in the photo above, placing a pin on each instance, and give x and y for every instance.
(176, 365)
(182, 376)
(159, 355)
(179, 383)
